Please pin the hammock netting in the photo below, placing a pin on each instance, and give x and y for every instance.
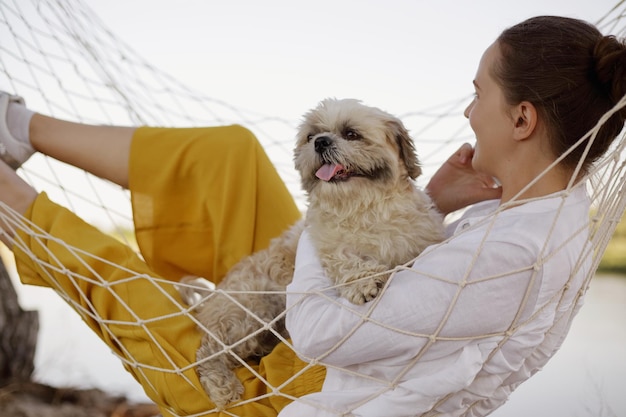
(60, 57)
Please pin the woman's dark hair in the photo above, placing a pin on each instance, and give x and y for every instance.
(571, 73)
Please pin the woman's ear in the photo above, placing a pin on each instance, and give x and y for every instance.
(525, 118)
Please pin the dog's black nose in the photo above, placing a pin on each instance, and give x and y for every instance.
(322, 143)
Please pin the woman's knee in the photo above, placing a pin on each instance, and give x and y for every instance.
(240, 137)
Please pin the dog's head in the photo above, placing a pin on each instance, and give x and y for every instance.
(343, 143)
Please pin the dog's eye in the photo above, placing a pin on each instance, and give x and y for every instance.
(351, 134)
(309, 138)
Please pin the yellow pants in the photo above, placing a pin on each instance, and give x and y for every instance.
(202, 199)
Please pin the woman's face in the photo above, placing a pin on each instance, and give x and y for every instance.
(489, 118)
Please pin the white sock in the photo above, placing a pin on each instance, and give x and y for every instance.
(18, 122)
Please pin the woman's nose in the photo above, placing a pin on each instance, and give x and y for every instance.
(468, 109)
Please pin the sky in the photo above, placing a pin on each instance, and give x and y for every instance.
(281, 57)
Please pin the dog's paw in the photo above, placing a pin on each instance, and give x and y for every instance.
(224, 392)
(362, 291)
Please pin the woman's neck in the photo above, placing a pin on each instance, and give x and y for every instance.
(535, 183)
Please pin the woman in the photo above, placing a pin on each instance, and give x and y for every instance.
(477, 315)
(462, 359)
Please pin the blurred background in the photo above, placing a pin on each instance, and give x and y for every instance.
(264, 64)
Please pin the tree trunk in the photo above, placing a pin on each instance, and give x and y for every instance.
(18, 334)
(30, 399)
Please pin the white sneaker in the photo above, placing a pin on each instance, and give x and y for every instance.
(12, 151)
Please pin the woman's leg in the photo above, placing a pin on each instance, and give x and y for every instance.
(101, 150)
(216, 183)
(17, 196)
(139, 317)
(203, 198)
(109, 286)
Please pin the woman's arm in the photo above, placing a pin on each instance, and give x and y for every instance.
(413, 307)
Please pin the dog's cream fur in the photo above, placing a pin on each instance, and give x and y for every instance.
(365, 216)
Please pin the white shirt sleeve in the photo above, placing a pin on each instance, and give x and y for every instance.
(492, 300)
(427, 302)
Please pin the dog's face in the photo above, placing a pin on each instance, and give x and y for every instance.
(343, 144)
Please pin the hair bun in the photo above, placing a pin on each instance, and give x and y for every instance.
(610, 66)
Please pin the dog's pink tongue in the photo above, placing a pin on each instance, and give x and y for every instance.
(328, 171)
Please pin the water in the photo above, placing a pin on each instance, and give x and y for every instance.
(586, 378)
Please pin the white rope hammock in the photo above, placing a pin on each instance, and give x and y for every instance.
(62, 59)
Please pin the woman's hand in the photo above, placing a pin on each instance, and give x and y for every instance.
(456, 184)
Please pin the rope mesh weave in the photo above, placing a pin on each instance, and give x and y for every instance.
(60, 56)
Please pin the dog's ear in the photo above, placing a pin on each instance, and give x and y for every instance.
(406, 147)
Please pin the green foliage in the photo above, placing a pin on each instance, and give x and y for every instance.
(614, 258)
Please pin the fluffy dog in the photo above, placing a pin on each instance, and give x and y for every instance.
(365, 216)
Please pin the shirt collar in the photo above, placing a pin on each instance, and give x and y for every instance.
(545, 204)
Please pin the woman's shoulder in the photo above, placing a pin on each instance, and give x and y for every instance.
(529, 216)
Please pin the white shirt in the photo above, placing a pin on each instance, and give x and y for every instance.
(458, 331)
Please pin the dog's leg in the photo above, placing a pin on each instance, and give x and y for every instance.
(234, 334)
(219, 318)
(237, 318)
(359, 280)
(217, 377)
